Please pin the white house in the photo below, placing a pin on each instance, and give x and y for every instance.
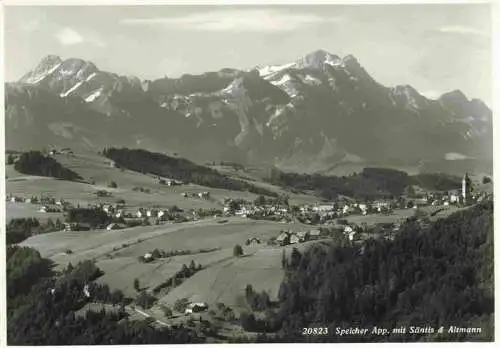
(314, 234)
(346, 209)
(352, 235)
(294, 239)
(148, 256)
(348, 229)
(203, 194)
(140, 213)
(86, 291)
(113, 226)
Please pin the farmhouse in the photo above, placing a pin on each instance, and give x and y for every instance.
(314, 234)
(283, 238)
(140, 213)
(303, 236)
(114, 226)
(294, 239)
(203, 194)
(196, 307)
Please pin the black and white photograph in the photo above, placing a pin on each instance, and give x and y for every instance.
(244, 173)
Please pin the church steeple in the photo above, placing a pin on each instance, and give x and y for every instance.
(466, 189)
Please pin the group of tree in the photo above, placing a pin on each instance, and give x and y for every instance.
(257, 301)
(36, 163)
(371, 183)
(439, 276)
(94, 217)
(19, 229)
(42, 306)
(281, 200)
(179, 277)
(237, 250)
(179, 169)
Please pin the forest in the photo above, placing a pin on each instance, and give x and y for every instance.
(440, 276)
(146, 162)
(35, 163)
(371, 183)
(41, 306)
(20, 229)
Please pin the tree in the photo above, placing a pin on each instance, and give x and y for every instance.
(486, 180)
(10, 159)
(283, 259)
(295, 258)
(112, 184)
(137, 285)
(181, 304)
(167, 311)
(261, 200)
(238, 250)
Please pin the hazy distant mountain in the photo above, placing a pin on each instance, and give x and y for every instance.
(317, 113)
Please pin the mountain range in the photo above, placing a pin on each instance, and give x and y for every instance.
(321, 113)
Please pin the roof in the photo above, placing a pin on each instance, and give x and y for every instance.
(282, 236)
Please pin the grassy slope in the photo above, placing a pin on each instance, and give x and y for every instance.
(262, 267)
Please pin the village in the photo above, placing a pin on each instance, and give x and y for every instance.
(325, 219)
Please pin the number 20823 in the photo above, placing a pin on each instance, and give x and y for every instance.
(314, 331)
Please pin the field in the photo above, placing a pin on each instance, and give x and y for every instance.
(221, 279)
(400, 215)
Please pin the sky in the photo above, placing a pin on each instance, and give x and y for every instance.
(434, 48)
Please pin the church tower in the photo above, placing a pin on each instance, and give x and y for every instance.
(466, 189)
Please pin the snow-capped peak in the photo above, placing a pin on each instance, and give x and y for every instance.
(46, 67)
(410, 94)
(318, 59)
(267, 72)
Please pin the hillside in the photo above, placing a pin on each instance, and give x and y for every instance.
(178, 169)
(41, 308)
(370, 183)
(442, 276)
(35, 163)
(318, 113)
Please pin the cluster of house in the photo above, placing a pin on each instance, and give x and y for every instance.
(63, 151)
(168, 182)
(253, 240)
(290, 237)
(322, 213)
(196, 307)
(49, 204)
(204, 194)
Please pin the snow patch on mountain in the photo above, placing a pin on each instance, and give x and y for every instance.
(267, 72)
(310, 80)
(94, 95)
(286, 84)
(233, 87)
(90, 77)
(72, 89)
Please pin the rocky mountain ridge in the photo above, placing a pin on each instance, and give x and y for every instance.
(319, 113)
